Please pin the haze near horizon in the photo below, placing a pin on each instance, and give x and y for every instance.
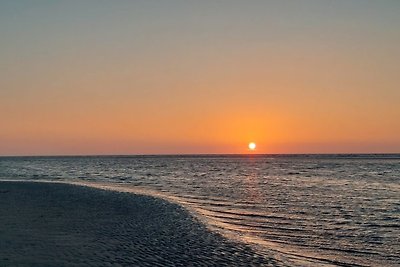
(166, 77)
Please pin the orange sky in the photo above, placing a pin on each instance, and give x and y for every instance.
(141, 78)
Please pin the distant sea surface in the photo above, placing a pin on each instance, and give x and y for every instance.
(305, 210)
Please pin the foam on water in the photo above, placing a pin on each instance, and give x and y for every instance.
(326, 210)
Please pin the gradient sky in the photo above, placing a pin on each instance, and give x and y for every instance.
(156, 77)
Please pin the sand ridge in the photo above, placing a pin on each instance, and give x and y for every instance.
(50, 224)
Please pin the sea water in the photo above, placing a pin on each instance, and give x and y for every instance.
(305, 210)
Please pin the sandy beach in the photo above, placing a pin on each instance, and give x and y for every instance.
(44, 224)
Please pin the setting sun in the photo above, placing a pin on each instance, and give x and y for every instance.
(252, 146)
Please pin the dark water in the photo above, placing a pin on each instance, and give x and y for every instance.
(308, 210)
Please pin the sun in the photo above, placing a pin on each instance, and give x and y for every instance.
(252, 146)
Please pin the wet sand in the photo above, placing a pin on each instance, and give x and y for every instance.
(45, 224)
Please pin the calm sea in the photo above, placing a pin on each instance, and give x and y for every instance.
(305, 210)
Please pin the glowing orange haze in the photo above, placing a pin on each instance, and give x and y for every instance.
(186, 84)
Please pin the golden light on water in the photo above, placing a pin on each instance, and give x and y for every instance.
(252, 146)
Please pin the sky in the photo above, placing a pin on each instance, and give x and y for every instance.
(189, 77)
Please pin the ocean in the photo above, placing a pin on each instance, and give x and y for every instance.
(304, 210)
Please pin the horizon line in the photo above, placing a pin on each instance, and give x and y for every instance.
(202, 154)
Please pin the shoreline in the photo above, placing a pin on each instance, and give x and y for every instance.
(62, 224)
